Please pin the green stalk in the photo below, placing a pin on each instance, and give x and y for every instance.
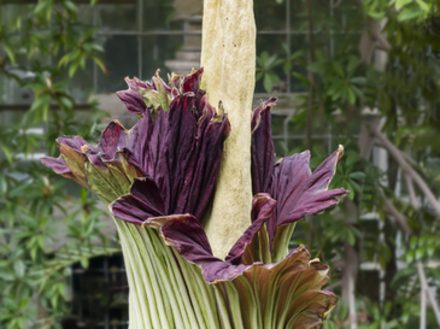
(264, 246)
(149, 260)
(139, 315)
(281, 241)
(180, 286)
(165, 291)
(270, 306)
(192, 288)
(142, 271)
(233, 299)
(152, 241)
(225, 321)
(249, 302)
(206, 298)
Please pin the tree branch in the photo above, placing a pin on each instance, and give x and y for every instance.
(427, 291)
(414, 175)
(398, 216)
(411, 191)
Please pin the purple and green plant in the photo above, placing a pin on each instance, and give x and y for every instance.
(159, 179)
(203, 211)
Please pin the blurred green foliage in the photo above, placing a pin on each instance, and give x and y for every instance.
(45, 224)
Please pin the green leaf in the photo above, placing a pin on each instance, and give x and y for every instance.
(426, 7)
(351, 96)
(73, 68)
(65, 59)
(301, 78)
(71, 7)
(268, 83)
(402, 3)
(100, 64)
(3, 185)
(19, 268)
(357, 175)
(7, 153)
(9, 53)
(66, 102)
(84, 262)
(408, 14)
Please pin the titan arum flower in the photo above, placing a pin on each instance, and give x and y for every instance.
(200, 251)
(159, 179)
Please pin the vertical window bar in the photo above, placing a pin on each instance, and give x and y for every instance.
(288, 43)
(140, 27)
(332, 34)
(107, 279)
(94, 65)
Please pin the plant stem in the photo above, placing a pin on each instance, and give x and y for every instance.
(229, 56)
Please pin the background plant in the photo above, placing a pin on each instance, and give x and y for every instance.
(45, 224)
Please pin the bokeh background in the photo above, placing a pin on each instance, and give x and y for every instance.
(364, 74)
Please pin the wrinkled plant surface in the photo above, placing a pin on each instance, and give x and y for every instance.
(159, 179)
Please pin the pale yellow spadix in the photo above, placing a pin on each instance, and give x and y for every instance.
(228, 56)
